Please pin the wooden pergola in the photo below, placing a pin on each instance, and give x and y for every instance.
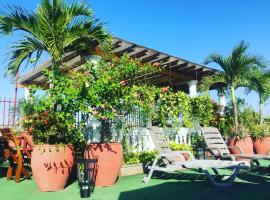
(176, 74)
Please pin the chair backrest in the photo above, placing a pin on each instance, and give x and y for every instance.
(11, 138)
(213, 139)
(159, 140)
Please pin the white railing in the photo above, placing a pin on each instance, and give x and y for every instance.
(138, 136)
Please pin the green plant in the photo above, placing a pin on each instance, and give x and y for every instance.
(197, 141)
(54, 117)
(259, 131)
(180, 147)
(202, 109)
(139, 157)
(218, 119)
(174, 107)
(55, 28)
(238, 133)
(147, 156)
(259, 82)
(236, 72)
(249, 117)
(112, 89)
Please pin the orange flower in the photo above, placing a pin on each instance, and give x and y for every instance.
(123, 82)
(156, 64)
(94, 112)
(165, 89)
(103, 117)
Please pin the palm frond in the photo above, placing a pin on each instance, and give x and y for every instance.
(79, 9)
(16, 18)
(208, 81)
(87, 35)
(58, 28)
(23, 51)
(216, 58)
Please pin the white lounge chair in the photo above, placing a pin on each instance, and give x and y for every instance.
(169, 161)
(215, 144)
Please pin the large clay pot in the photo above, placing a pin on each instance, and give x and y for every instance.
(109, 161)
(245, 144)
(51, 166)
(262, 146)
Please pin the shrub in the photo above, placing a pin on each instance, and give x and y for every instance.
(259, 131)
(202, 109)
(180, 147)
(139, 157)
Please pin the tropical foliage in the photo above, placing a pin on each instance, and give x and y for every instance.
(259, 82)
(139, 157)
(237, 68)
(259, 131)
(55, 28)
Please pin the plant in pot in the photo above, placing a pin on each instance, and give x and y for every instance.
(25, 109)
(56, 133)
(240, 137)
(112, 90)
(260, 134)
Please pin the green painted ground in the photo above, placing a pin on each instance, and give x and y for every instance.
(188, 185)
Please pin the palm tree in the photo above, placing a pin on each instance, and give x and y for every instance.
(236, 69)
(55, 28)
(259, 83)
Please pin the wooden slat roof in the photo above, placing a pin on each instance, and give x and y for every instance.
(177, 70)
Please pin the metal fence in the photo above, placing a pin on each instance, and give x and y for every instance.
(7, 112)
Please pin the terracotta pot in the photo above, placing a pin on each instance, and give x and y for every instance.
(245, 144)
(262, 146)
(109, 161)
(51, 166)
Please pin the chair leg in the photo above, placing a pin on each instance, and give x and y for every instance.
(223, 184)
(18, 170)
(9, 172)
(25, 173)
(18, 174)
(147, 178)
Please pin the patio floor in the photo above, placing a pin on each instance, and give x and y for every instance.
(185, 185)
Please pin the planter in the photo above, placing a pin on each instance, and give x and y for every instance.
(262, 146)
(128, 170)
(245, 144)
(51, 166)
(109, 160)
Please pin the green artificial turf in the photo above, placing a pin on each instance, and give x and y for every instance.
(184, 185)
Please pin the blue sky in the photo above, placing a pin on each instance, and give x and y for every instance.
(190, 29)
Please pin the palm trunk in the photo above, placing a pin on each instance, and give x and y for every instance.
(261, 107)
(235, 111)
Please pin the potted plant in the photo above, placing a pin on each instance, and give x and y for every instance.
(260, 134)
(112, 90)
(56, 133)
(240, 137)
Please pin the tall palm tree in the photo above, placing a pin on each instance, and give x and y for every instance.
(236, 69)
(259, 83)
(56, 28)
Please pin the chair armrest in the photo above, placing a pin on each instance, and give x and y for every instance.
(186, 152)
(235, 147)
(169, 156)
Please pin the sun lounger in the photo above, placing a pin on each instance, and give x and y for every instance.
(169, 161)
(215, 144)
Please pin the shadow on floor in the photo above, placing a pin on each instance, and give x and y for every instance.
(3, 171)
(196, 186)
